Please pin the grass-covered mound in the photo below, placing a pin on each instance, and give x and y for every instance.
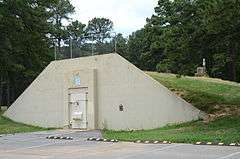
(225, 130)
(209, 95)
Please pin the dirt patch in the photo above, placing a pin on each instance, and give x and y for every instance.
(222, 111)
(179, 93)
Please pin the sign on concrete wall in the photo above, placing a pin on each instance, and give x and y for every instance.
(77, 80)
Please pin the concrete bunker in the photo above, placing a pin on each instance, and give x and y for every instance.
(97, 92)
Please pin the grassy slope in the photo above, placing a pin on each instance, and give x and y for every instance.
(222, 130)
(8, 127)
(205, 95)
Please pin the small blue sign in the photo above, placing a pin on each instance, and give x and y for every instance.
(77, 80)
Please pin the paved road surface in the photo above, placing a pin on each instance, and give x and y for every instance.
(36, 146)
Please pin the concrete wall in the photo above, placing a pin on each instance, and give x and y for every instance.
(111, 81)
(39, 104)
(45, 102)
(147, 104)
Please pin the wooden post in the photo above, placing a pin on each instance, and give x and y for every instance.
(1, 91)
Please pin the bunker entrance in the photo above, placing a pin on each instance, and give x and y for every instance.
(78, 108)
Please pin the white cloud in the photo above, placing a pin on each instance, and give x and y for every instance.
(127, 15)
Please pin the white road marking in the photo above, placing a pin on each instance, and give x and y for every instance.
(153, 150)
(230, 155)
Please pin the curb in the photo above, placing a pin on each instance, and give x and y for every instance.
(101, 139)
(137, 141)
(152, 142)
(217, 144)
(144, 141)
(60, 137)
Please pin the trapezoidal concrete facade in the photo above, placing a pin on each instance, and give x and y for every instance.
(103, 91)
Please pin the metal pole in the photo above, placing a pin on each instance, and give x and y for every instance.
(115, 42)
(79, 48)
(55, 51)
(92, 45)
(71, 54)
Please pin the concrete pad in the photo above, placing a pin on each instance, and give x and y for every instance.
(36, 146)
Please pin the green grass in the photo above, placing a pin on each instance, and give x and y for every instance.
(9, 127)
(203, 94)
(221, 130)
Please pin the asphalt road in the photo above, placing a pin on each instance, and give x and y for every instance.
(36, 146)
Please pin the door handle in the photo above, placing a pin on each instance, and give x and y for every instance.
(74, 103)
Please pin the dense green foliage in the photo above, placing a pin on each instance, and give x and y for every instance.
(60, 11)
(101, 27)
(29, 30)
(222, 130)
(24, 46)
(183, 32)
(203, 94)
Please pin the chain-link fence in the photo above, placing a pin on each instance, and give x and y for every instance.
(85, 46)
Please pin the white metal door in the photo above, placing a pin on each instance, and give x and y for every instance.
(78, 110)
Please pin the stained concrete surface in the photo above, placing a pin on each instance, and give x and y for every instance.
(36, 146)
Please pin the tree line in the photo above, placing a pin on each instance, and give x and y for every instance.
(183, 32)
(175, 39)
(29, 32)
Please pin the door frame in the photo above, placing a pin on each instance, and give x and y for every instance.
(77, 90)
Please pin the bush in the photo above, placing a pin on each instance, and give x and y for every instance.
(163, 66)
(178, 75)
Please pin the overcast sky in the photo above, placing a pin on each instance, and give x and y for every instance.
(127, 15)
